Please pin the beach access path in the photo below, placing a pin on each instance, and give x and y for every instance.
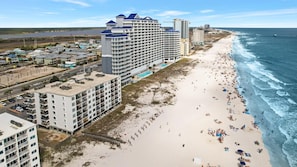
(204, 125)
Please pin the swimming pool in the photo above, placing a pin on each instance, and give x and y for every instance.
(144, 74)
(163, 65)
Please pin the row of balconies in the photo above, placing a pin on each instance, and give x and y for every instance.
(10, 150)
(45, 123)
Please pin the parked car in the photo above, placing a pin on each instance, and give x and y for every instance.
(19, 97)
(3, 103)
(20, 109)
(11, 100)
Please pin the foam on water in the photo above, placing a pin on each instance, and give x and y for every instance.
(292, 101)
(282, 93)
(270, 96)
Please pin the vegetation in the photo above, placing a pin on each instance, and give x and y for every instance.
(54, 79)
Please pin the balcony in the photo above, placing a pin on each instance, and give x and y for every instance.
(25, 159)
(29, 101)
(44, 117)
(45, 121)
(31, 111)
(43, 101)
(78, 102)
(31, 106)
(43, 106)
(42, 96)
(10, 142)
(20, 137)
(24, 144)
(9, 151)
(44, 112)
(31, 117)
(8, 160)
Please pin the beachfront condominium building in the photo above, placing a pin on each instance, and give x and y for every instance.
(183, 27)
(171, 43)
(198, 36)
(18, 142)
(71, 105)
(131, 45)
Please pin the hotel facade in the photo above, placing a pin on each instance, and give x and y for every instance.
(76, 103)
(183, 27)
(18, 142)
(132, 45)
(171, 44)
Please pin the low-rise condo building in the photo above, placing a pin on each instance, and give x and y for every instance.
(73, 104)
(18, 142)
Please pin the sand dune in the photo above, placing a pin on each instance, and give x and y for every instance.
(206, 106)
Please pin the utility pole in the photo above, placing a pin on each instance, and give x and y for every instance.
(24, 42)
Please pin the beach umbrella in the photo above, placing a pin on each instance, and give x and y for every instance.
(242, 163)
(239, 151)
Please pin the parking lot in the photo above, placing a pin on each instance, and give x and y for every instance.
(15, 106)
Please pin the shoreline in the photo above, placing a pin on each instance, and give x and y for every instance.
(205, 123)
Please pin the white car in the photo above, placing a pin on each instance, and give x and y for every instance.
(19, 97)
(2, 103)
(20, 109)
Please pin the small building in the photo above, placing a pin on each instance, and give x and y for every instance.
(18, 142)
(52, 59)
(198, 36)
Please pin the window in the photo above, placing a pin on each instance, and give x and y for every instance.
(32, 137)
(32, 129)
(1, 152)
(33, 144)
(34, 151)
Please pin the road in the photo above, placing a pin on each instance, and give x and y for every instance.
(18, 89)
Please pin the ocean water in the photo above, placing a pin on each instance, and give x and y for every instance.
(267, 77)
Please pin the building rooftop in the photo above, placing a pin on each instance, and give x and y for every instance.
(10, 124)
(111, 22)
(77, 84)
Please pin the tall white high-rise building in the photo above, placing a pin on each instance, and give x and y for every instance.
(18, 142)
(198, 36)
(183, 27)
(171, 42)
(131, 45)
(73, 104)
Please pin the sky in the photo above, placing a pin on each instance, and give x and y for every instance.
(95, 13)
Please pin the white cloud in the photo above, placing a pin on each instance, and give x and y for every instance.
(206, 11)
(76, 2)
(172, 13)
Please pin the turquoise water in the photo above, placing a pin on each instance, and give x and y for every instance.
(144, 74)
(163, 65)
(266, 68)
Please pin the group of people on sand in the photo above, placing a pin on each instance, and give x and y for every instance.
(220, 133)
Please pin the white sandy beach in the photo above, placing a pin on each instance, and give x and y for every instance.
(175, 135)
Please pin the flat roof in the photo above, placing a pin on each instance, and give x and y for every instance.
(77, 84)
(8, 128)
